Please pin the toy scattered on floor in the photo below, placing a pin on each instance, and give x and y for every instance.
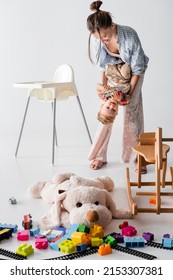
(5, 233)
(10, 226)
(104, 249)
(127, 230)
(27, 222)
(25, 250)
(132, 242)
(167, 242)
(77, 201)
(12, 200)
(148, 236)
(23, 235)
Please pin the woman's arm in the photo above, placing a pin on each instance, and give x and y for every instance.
(104, 79)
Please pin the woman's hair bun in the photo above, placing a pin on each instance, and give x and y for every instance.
(95, 6)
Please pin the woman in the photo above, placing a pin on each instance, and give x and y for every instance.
(116, 44)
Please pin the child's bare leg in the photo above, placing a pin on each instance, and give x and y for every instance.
(98, 152)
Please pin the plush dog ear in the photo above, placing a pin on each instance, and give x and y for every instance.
(116, 213)
(53, 217)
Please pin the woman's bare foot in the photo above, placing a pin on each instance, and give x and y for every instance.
(96, 164)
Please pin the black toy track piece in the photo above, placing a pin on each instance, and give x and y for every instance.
(134, 252)
(76, 255)
(94, 250)
(11, 255)
(157, 245)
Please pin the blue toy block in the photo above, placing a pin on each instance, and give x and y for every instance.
(134, 242)
(9, 226)
(167, 242)
(34, 231)
(54, 245)
(61, 229)
(81, 247)
(72, 229)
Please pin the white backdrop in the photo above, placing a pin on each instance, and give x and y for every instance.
(37, 36)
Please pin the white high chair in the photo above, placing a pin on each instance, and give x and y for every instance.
(62, 87)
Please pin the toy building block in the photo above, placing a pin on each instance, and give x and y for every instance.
(39, 235)
(57, 232)
(105, 249)
(88, 239)
(119, 237)
(83, 228)
(96, 241)
(47, 232)
(81, 247)
(27, 222)
(72, 229)
(53, 239)
(148, 236)
(97, 231)
(61, 229)
(166, 235)
(10, 226)
(78, 237)
(124, 224)
(23, 235)
(67, 246)
(54, 245)
(129, 231)
(110, 240)
(152, 200)
(134, 242)
(34, 231)
(5, 233)
(167, 242)
(12, 200)
(25, 250)
(41, 243)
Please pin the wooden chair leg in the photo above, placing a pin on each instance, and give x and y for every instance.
(139, 170)
(164, 168)
(157, 180)
(133, 206)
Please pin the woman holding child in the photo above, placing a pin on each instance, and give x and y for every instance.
(117, 48)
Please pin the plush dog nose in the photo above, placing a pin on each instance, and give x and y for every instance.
(92, 216)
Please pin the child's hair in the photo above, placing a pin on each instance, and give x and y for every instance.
(105, 119)
(98, 19)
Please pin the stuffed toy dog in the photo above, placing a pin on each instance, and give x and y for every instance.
(76, 200)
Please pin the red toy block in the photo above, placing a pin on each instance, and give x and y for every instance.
(41, 243)
(124, 224)
(129, 231)
(23, 235)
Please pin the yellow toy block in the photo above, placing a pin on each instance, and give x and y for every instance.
(67, 246)
(78, 237)
(97, 231)
(96, 242)
(25, 250)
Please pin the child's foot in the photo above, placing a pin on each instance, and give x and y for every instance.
(97, 164)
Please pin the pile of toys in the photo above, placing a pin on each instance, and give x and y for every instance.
(78, 238)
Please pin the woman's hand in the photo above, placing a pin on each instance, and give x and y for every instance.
(101, 90)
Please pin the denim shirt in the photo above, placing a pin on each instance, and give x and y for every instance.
(130, 49)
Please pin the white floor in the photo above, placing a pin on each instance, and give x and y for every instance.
(33, 164)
